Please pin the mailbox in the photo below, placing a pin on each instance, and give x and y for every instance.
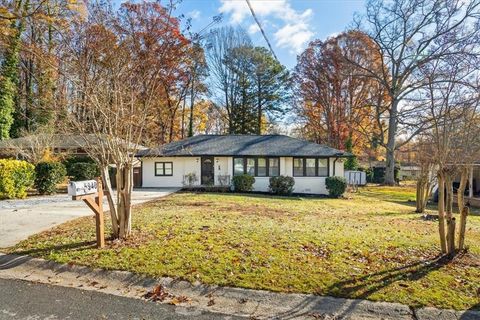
(80, 188)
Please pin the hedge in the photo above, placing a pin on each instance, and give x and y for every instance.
(71, 161)
(48, 175)
(15, 178)
(336, 186)
(243, 183)
(83, 171)
(281, 185)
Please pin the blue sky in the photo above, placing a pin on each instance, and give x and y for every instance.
(289, 24)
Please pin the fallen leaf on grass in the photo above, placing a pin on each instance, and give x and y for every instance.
(211, 302)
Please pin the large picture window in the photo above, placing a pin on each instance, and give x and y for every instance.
(256, 166)
(298, 167)
(273, 167)
(310, 167)
(261, 167)
(238, 166)
(323, 167)
(250, 166)
(163, 169)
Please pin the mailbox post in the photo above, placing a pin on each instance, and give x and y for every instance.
(91, 192)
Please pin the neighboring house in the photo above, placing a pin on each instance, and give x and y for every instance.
(409, 171)
(32, 148)
(215, 159)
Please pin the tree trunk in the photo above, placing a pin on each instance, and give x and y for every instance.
(463, 227)
(192, 105)
(451, 236)
(421, 195)
(441, 212)
(111, 204)
(461, 189)
(124, 196)
(390, 152)
(449, 215)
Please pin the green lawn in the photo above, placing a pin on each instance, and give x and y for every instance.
(370, 245)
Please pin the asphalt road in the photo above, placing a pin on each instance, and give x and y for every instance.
(27, 300)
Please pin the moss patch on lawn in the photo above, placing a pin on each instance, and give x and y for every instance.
(370, 245)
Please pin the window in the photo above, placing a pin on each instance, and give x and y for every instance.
(237, 166)
(298, 167)
(163, 168)
(323, 167)
(261, 167)
(258, 167)
(310, 167)
(273, 167)
(251, 166)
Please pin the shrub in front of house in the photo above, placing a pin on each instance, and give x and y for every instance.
(83, 171)
(48, 175)
(15, 178)
(336, 186)
(243, 183)
(281, 185)
(72, 160)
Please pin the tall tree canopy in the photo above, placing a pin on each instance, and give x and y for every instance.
(410, 34)
(333, 101)
(251, 85)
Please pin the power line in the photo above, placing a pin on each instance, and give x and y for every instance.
(261, 29)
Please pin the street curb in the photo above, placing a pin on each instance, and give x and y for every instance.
(257, 304)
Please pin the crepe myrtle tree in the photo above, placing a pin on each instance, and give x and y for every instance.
(116, 59)
(452, 100)
(408, 35)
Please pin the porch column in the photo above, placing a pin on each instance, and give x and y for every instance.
(470, 182)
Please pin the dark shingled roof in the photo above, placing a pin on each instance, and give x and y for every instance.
(242, 145)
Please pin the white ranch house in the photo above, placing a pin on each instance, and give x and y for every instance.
(215, 159)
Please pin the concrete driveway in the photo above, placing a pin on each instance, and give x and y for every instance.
(20, 219)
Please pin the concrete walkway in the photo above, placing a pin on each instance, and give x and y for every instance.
(251, 304)
(20, 219)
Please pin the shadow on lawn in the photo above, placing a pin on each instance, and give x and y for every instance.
(361, 288)
(77, 246)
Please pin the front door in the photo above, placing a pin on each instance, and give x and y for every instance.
(207, 171)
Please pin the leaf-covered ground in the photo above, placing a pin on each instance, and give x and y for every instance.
(370, 245)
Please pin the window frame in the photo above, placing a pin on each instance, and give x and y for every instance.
(304, 162)
(255, 158)
(162, 163)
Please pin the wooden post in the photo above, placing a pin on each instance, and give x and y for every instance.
(95, 203)
(99, 218)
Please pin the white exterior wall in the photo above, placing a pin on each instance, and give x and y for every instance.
(224, 166)
(181, 167)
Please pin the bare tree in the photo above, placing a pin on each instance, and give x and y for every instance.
(114, 60)
(410, 34)
(452, 97)
(219, 44)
